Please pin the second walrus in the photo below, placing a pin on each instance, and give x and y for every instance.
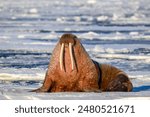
(71, 69)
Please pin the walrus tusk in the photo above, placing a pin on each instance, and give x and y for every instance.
(61, 56)
(71, 56)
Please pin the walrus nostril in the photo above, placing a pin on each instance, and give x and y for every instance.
(61, 56)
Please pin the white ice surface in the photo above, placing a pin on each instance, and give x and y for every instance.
(115, 32)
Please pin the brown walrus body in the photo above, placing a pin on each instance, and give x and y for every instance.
(71, 69)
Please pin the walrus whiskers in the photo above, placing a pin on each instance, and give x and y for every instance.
(61, 56)
(71, 56)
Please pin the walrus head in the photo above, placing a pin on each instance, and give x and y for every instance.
(69, 56)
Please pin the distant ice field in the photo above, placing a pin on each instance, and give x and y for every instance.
(115, 32)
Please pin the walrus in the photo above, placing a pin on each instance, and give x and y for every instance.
(72, 70)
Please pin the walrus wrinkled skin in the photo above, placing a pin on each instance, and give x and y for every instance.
(71, 69)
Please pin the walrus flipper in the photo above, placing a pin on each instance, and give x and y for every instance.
(41, 89)
(120, 83)
(46, 85)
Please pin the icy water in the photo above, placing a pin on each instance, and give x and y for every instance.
(116, 32)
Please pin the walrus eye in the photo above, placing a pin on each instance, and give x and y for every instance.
(61, 56)
(71, 56)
